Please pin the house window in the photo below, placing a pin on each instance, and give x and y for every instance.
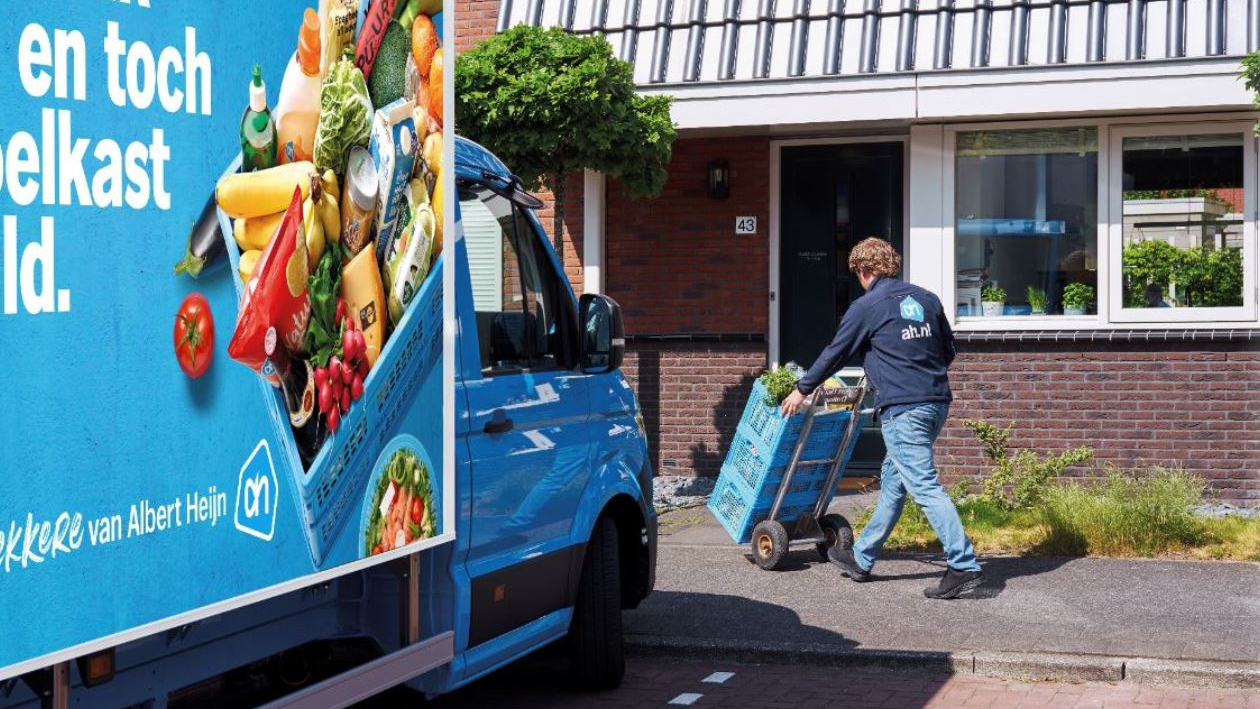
(1183, 206)
(1026, 222)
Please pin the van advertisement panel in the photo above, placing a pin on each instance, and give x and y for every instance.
(221, 308)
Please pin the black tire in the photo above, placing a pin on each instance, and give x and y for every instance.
(837, 531)
(596, 640)
(769, 544)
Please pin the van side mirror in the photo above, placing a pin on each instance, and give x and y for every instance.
(603, 334)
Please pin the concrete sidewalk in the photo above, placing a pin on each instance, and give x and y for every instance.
(1052, 618)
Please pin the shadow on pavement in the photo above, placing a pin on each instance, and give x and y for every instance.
(777, 660)
(738, 629)
(997, 570)
(663, 667)
(1000, 569)
(542, 681)
(794, 560)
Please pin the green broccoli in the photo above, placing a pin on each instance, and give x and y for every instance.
(389, 73)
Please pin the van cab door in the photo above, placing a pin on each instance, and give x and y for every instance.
(528, 417)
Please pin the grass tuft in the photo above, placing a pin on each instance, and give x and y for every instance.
(993, 528)
(1123, 516)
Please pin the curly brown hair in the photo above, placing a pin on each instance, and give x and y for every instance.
(876, 256)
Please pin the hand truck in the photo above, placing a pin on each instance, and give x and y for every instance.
(772, 537)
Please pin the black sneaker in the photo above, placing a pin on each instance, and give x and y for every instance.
(848, 565)
(955, 583)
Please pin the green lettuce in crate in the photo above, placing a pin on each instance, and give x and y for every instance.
(779, 383)
(345, 118)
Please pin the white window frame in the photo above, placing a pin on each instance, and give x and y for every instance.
(979, 323)
(1110, 315)
(1246, 313)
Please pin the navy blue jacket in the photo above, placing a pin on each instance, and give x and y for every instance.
(905, 341)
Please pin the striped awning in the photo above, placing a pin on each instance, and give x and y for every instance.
(698, 41)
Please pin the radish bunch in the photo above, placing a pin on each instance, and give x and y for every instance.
(341, 382)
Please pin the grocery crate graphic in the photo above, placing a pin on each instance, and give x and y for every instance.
(332, 488)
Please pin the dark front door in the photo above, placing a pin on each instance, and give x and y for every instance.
(832, 197)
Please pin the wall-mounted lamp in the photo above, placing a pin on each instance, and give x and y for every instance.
(719, 179)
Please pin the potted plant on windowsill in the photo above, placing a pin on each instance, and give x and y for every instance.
(1077, 298)
(1037, 300)
(992, 301)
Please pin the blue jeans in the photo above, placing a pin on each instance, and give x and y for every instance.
(909, 467)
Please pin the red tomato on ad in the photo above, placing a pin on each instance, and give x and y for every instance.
(194, 335)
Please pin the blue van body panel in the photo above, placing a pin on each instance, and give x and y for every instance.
(536, 491)
(479, 661)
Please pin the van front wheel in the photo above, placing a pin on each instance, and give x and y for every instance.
(596, 652)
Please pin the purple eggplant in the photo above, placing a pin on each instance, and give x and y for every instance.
(206, 247)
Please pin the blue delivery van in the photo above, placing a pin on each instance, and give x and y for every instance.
(554, 529)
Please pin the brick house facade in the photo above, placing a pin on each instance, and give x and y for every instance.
(701, 326)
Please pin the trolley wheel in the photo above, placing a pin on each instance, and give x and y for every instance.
(837, 532)
(769, 544)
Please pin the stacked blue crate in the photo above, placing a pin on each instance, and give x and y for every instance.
(758, 458)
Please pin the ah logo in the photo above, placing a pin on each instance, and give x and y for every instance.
(257, 494)
(911, 310)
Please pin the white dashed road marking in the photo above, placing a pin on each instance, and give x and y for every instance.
(686, 699)
(718, 677)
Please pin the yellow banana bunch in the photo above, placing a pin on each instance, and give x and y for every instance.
(313, 223)
(264, 192)
(329, 182)
(329, 211)
(249, 260)
(256, 232)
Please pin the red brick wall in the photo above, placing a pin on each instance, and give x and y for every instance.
(1195, 406)
(1233, 195)
(675, 264)
(475, 20)
(692, 396)
(574, 210)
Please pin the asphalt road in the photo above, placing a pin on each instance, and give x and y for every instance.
(540, 682)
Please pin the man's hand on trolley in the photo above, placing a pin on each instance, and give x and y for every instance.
(792, 404)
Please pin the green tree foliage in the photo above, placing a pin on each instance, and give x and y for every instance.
(1205, 277)
(549, 103)
(1251, 75)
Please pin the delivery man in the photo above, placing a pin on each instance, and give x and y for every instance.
(907, 347)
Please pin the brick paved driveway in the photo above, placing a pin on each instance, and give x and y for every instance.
(538, 683)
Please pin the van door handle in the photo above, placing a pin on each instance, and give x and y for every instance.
(498, 425)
